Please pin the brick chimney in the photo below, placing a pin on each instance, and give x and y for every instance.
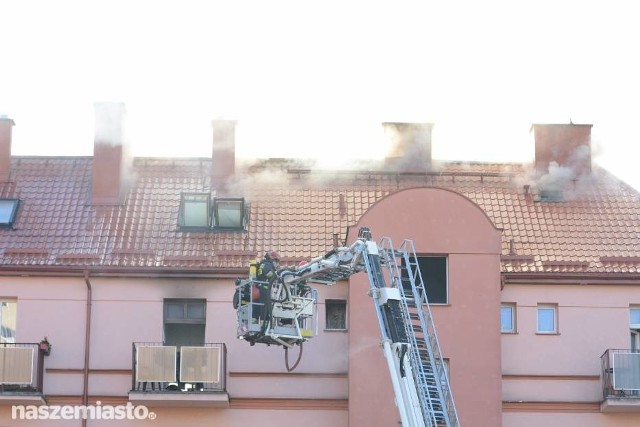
(410, 149)
(224, 153)
(111, 157)
(568, 145)
(6, 127)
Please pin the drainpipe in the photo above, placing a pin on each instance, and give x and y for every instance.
(85, 388)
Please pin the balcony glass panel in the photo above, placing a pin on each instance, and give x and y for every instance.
(16, 365)
(626, 371)
(184, 368)
(200, 364)
(156, 364)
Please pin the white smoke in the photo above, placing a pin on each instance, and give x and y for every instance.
(109, 126)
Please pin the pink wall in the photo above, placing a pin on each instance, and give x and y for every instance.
(561, 368)
(559, 419)
(125, 310)
(439, 222)
(172, 417)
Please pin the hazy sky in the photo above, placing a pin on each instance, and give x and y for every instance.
(316, 79)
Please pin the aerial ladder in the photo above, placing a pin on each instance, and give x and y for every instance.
(287, 317)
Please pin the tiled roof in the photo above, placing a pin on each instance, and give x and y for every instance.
(299, 213)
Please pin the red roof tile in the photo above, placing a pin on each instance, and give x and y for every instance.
(597, 228)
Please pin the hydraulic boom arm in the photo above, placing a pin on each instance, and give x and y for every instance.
(283, 312)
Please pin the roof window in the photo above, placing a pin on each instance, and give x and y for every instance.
(199, 212)
(194, 211)
(228, 213)
(551, 195)
(8, 212)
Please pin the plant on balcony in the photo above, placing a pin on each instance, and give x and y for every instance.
(45, 346)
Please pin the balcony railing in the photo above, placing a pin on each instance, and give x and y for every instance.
(620, 373)
(21, 371)
(164, 368)
(620, 380)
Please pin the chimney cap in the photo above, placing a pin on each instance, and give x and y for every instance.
(5, 117)
(549, 125)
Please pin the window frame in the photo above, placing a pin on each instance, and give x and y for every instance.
(7, 333)
(187, 198)
(217, 202)
(631, 309)
(547, 306)
(182, 331)
(13, 205)
(512, 306)
(213, 212)
(185, 303)
(335, 303)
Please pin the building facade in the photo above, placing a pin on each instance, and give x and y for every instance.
(117, 276)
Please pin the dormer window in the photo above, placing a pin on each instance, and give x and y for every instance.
(8, 212)
(198, 212)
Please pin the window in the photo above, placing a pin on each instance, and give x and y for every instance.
(444, 376)
(508, 318)
(228, 213)
(8, 211)
(194, 211)
(634, 317)
(551, 195)
(184, 321)
(336, 314)
(634, 328)
(547, 319)
(433, 270)
(8, 321)
(199, 213)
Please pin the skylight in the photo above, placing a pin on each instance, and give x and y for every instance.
(8, 211)
(228, 213)
(198, 212)
(551, 195)
(194, 211)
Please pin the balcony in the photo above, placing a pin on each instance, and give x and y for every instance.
(166, 375)
(21, 373)
(620, 381)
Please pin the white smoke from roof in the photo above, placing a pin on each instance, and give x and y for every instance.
(109, 126)
(557, 177)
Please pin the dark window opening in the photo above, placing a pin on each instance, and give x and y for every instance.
(433, 270)
(336, 314)
(184, 322)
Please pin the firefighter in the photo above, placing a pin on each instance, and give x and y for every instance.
(268, 267)
(266, 273)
